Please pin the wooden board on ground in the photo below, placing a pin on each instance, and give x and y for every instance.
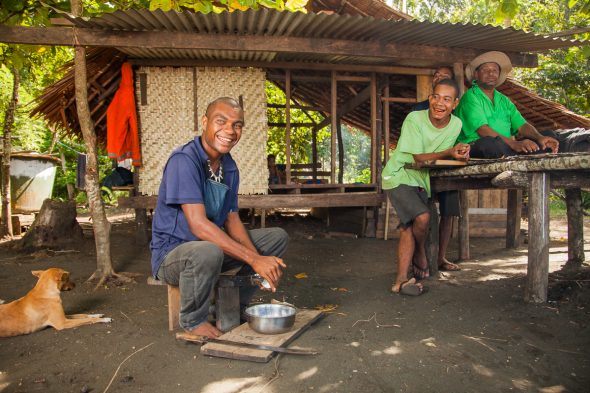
(243, 333)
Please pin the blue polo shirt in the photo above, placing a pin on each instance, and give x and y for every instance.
(183, 183)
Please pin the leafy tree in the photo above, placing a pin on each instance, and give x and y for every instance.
(563, 75)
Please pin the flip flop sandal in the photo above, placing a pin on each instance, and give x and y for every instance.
(420, 272)
(410, 289)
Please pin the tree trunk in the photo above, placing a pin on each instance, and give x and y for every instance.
(6, 219)
(55, 226)
(100, 224)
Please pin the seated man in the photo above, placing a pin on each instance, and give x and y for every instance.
(448, 201)
(425, 136)
(490, 119)
(197, 232)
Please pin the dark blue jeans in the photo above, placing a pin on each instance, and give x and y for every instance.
(195, 266)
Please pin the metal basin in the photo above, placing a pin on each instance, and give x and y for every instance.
(271, 318)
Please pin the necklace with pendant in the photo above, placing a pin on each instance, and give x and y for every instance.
(212, 175)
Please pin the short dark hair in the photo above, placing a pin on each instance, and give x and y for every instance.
(448, 68)
(226, 100)
(448, 82)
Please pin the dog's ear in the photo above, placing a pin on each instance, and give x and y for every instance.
(37, 273)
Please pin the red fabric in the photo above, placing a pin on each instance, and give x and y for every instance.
(122, 135)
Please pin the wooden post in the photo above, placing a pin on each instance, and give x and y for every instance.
(334, 115)
(386, 125)
(423, 87)
(464, 226)
(314, 151)
(432, 239)
(379, 133)
(575, 227)
(459, 77)
(513, 218)
(373, 128)
(538, 255)
(288, 127)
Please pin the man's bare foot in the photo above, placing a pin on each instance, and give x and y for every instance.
(420, 268)
(205, 329)
(445, 265)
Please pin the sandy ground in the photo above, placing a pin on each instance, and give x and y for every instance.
(472, 332)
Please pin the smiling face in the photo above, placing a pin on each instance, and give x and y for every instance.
(222, 128)
(442, 102)
(440, 74)
(487, 75)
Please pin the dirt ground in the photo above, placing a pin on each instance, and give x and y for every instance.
(472, 332)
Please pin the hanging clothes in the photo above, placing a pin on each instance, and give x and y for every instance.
(122, 134)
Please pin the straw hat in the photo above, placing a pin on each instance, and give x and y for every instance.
(490, 57)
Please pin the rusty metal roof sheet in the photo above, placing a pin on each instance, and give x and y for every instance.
(273, 23)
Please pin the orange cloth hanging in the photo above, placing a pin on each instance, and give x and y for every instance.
(122, 134)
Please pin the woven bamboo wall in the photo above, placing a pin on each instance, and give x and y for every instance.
(168, 119)
(166, 122)
(250, 152)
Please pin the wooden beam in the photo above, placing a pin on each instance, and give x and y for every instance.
(334, 121)
(302, 107)
(171, 40)
(288, 126)
(310, 200)
(386, 124)
(352, 78)
(354, 102)
(380, 69)
(403, 100)
(423, 87)
(374, 97)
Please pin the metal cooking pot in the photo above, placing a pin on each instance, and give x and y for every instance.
(271, 318)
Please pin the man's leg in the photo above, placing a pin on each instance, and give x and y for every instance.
(405, 253)
(420, 230)
(448, 203)
(194, 267)
(490, 147)
(268, 241)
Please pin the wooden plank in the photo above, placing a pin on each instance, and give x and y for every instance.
(513, 218)
(401, 100)
(464, 226)
(575, 227)
(311, 200)
(243, 333)
(386, 125)
(373, 127)
(423, 87)
(288, 126)
(334, 122)
(538, 253)
(232, 42)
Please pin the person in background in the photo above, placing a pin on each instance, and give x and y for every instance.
(426, 135)
(492, 124)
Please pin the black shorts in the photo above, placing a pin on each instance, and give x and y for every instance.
(448, 203)
(409, 202)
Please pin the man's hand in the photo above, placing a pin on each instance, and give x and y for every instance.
(460, 151)
(547, 142)
(524, 146)
(269, 268)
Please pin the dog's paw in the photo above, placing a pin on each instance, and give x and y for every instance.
(106, 320)
(95, 315)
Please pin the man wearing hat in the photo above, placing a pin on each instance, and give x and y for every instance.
(491, 123)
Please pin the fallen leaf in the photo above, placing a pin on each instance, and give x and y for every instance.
(301, 275)
(326, 307)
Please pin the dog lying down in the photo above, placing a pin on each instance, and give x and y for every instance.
(42, 307)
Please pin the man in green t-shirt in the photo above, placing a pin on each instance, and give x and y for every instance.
(426, 135)
(492, 124)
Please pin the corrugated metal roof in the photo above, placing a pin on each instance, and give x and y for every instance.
(273, 23)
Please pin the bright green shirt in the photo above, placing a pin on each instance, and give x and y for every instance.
(418, 136)
(475, 110)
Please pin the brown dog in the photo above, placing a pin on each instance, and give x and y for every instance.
(42, 307)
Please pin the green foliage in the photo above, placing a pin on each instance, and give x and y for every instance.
(563, 75)
(208, 6)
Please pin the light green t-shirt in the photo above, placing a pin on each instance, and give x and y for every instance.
(475, 110)
(418, 136)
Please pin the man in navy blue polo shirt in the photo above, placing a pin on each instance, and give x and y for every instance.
(197, 232)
